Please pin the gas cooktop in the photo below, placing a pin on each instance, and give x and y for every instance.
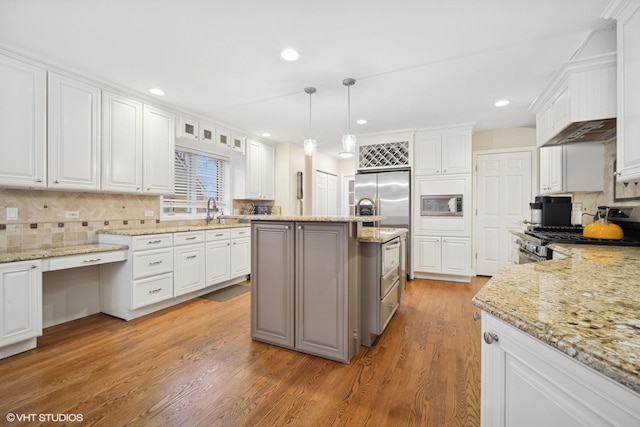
(573, 235)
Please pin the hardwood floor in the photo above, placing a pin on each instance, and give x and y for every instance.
(195, 364)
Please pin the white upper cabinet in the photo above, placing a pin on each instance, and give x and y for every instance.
(627, 13)
(23, 124)
(74, 134)
(188, 128)
(207, 133)
(223, 138)
(158, 151)
(237, 143)
(260, 171)
(570, 168)
(121, 144)
(445, 151)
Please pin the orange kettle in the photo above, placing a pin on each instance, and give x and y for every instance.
(601, 228)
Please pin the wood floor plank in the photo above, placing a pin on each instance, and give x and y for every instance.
(195, 364)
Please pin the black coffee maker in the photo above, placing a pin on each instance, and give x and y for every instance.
(556, 211)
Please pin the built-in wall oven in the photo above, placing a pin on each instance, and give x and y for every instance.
(441, 205)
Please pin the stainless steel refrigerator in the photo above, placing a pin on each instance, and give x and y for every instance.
(391, 193)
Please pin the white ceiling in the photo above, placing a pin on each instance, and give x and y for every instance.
(418, 63)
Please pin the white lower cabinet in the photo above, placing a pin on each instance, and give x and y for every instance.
(21, 306)
(130, 289)
(240, 252)
(165, 269)
(526, 382)
(218, 256)
(442, 255)
(189, 262)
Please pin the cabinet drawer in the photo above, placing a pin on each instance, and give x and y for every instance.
(388, 307)
(213, 235)
(152, 289)
(84, 260)
(154, 241)
(149, 263)
(388, 281)
(240, 232)
(188, 238)
(390, 256)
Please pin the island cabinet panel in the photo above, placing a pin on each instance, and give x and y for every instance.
(272, 266)
(528, 383)
(301, 287)
(321, 291)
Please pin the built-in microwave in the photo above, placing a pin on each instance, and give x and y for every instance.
(441, 205)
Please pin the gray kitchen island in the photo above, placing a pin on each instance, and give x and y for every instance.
(305, 275)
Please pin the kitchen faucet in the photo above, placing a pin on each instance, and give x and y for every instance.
(211, 207)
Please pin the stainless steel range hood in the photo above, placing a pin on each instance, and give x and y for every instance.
(588, 131)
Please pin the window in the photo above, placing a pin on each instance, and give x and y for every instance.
(198, 177)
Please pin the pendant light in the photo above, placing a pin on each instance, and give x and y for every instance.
(310, 144)
(348, 140)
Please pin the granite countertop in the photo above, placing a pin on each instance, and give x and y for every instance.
(306, 218)
(380, 234)
(176, 229)
(587, 306)
(56, 251)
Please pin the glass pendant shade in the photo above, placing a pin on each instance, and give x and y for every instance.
(310, 147)
(348, 142)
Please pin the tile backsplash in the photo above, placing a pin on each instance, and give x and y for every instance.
(42, 217)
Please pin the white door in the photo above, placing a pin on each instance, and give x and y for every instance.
(332, 195)
(348, 195)
(503, 192)
(321, 193)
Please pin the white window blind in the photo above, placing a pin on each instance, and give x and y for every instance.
(197, 177)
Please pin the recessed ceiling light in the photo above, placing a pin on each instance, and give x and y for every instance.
(362, 121)
(266, 134)
(156, 91)
(290, 55)
(502, 103)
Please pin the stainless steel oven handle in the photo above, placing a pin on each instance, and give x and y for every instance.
(531, 257)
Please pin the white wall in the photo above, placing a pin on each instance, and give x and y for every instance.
(290, 159)
(503, 138)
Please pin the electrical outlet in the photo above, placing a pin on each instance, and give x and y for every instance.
(149, 213)
(72, 214)
(12, 214)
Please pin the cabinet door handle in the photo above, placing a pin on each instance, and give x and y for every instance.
(155, 291)
(191, 238)
(91, 260)
(155, 262)
(219, 235)
(191, 256)
(390, 247)
(38, 180)
(286, 227)
(153, 242)
(299, 227)
(490, 337)
(476, 316)
(34, 266)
